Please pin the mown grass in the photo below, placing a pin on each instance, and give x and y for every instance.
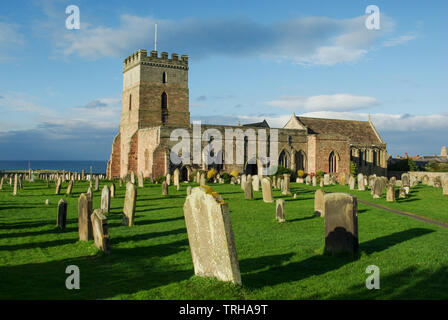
(152, 259)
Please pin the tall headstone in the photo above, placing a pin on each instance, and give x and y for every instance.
(341, 223)
(405, 180)
(256, 183)
(314, 181)
(377, 189)
(248, 193)
(326, 179)
(112, 190)
(210, 236)
(266, 188)
(58, 186)
(286, 180)
(445, 185)
(390, 193)
(1, 183)
(84, 222)
(16, 178)
(361, 185)
(69, 188)
(168, 179)
(164, 188)
(105, 199)
(188, 190)
(280, 210)
(130, 200)
(140, 180)
(62, 214)
(202, 179)
(319, 203)
(352, 182)
(176, 176)
(97, 183)
(100, 230)
(132, 177)
(243, 181)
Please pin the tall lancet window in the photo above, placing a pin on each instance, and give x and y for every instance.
(164, 78)
(333, 163)
(164, 107)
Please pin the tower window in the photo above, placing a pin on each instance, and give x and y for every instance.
(164, 107)
(164, 78)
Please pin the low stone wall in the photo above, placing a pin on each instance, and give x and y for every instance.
(420, 174)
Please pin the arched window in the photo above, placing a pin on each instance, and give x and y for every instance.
(164, 107)
(164, 78)
(375, 158)
(130, 102)
(283, 160)
(300, 160)
(333, 163)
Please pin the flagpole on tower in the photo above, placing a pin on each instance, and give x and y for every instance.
(155, 37)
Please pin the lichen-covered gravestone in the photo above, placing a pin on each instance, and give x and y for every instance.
(105, 199)
(256, 183)
(84, 213)
(176, 176)
(210, 236)
(361, 185)
(130, 199)
(319, 203)
(341, 223)
(280, 210)
(390, 193)
(377, 189)
(100, 230)
(62, 214)
(248, 193)
(266, 188)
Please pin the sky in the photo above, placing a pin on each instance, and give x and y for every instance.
(60, 89)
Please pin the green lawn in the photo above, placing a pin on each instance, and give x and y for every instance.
(152, 260)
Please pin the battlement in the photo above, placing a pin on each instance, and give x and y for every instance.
(141, 57)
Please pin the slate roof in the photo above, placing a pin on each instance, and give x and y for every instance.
(263, 124)
(356, 131)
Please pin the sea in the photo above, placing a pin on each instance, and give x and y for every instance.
(73, 166)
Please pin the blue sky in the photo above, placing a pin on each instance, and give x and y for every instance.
(60, 89)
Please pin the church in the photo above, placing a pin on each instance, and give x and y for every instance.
(155, 101)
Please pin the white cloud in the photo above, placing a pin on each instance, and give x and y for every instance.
(399, 40)
(308, 41)
(10, 39)
(338, 102)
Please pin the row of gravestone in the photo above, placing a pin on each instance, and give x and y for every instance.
(211, 238)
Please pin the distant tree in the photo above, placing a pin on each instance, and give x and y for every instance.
(412, 165)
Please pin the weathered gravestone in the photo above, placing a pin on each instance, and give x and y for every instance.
(58, 186)
(425, 180)
(248, 193)
(377, 189)
(390, 193)
(352, 182)
(256, 183)
(176, 176)
(361, 185)
(105, 199)
(202, 179)
(62, 214)
(308, 180)
(130, 200)
(14, 192)
(97, 183)
(243, 181)
(314, 181)
(341, 223)
(140, 180)
(69, 188)
(84, 213)
(210, 236)
(168, 179)
(402, 193)
(405, 180)
(100, 230)
(266, 188)
(280, 210)
(285, 189)
(319, 203)
(321, 183)
(164, 188)
(326, 179)
(112, 190)
(188, 190)
(445, 185)
(1, 183)
(342, 179)
(132, 177)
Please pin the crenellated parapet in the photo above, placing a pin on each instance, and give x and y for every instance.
(153, 59)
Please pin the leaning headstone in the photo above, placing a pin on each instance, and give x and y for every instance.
(164, 188)
(390, 193)
(62, 214)
(341, 223)
(1, 183)
(210, 236)
(361, 185)
(100, 230)
(266, 188)
(248, 193)
(130, 199)
(140, 180)
(319, 204)
(105, 199)
(280, 210)
(69, 188)
(58, 186)
(84, 213)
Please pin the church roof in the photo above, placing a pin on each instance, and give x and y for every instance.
(356, 131)
(263, 124)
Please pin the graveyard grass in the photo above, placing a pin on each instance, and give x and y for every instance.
(152, 259)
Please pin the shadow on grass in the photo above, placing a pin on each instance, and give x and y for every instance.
(124, 271)
(316, 265)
